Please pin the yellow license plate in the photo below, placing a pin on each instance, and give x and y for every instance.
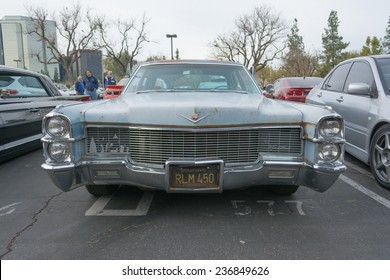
(194, 176)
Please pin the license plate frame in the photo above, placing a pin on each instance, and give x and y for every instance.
(194, 176)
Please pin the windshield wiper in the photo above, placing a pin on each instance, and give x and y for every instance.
(159, 90)
(191, 90)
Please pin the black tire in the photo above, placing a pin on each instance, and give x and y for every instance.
(98, 190)
(380, 156)
(284, 190)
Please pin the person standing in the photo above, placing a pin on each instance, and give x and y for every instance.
(109, 79)
(79, 86)
(91, 84)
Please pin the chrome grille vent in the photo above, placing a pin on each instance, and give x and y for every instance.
(150, 146)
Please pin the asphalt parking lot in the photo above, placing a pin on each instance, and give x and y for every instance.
(38, 221)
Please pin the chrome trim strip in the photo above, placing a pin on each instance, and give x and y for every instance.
(20, 142)
(194, 129)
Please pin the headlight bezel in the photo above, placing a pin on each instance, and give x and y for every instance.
(329, 147)
(331, 127)
(65, 156)
(62, 122)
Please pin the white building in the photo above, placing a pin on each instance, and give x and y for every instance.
(19, 49)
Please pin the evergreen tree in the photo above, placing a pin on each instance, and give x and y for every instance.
(332, 44)
(297, 62)
(177, 56)
(56, 75)
(372, 47)
(386, 39)
(376, 47)
(295, 41)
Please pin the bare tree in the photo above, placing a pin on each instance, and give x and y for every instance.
(131, 41)
(258, 39)
(301, 65)
(75, 33)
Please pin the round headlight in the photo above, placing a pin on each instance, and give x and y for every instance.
(329, 152)
(57, 127)
(59, 151)
(330, 127)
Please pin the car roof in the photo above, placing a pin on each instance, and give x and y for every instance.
(18, 71)
(380, 56)
(369, 57)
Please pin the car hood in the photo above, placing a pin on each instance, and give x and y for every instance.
(194, 109)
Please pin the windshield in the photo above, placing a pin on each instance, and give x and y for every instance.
(191, 77)
(384, 68)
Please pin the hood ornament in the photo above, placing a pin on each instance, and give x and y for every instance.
(195, 117)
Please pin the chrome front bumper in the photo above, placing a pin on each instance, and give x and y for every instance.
(122, 172)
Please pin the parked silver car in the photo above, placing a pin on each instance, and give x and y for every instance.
(185, 137)
(359, 90)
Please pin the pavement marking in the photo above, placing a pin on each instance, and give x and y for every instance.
(366, 191)
(270, 209)
(8, 206)
(298, 204)
(241, 204)
(97, 209)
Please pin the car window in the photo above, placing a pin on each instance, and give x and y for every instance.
(384, 69)
(305, 82)
(22, 86)
(5, 81)
(360, 73)
(336, 80)
(31, 82)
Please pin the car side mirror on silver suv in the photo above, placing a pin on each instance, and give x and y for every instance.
(359, 89)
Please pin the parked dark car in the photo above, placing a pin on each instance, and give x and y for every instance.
(25, 97)
(294, 88)
(359, 90)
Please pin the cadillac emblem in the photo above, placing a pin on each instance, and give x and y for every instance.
(195, 117)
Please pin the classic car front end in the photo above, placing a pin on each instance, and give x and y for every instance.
(193, 139)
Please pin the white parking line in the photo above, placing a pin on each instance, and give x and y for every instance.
(97, 209)
(366, 191)
(9, 206)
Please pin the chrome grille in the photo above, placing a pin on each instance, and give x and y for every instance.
(151, 146)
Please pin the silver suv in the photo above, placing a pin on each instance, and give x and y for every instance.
(359, 90)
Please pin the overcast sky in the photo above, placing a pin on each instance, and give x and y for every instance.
(198, 22)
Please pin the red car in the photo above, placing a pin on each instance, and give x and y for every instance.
(113, 91)
(294, 88)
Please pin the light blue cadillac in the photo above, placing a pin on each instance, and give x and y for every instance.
(193, 126)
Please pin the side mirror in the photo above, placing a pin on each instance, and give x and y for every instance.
(270, 88)
(359, 89)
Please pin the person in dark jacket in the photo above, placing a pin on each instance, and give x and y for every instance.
(109, 79)
(91, 84)
(79, 85)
